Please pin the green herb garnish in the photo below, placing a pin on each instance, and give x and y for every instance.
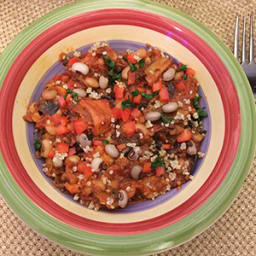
(141, 63)
(113, 192)
(110, 63)
(127, 104)
(166, 119)
(105, 141)
(37, 144)
(158, 162)
(133, 67)
(135, 93)
(149, 96)
(181, 68)
(200, 111)
(185, 77)
(113, 76)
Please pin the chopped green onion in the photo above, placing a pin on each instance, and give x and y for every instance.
(181, 68)
(135, 93)
(149, 96)
(166, 119)
(158, 162)
(37, 144)
(200, 111)
(141, 63)
(133, 67)
(110, 63)
(105, 141)
(127, 104)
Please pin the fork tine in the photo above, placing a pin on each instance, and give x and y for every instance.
(251, 40)
(244, 42)
(236, 42)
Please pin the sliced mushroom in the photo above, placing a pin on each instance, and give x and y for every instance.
(135, 172)
(191, 150)
(122, 198)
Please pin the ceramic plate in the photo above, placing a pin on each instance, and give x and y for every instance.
(148, 227)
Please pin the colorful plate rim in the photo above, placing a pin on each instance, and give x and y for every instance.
(167, 237)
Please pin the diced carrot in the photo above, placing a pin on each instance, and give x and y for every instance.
(61, 91)
(186, 135)
(72, 188)
(157, 86)
(166, 146)
(62, 147)
(72, 151)
(180, 86)
(190, 72)
(117, 113)
(164, 95)
(97, 143)
(129, 128)
(137, 99)
(51, 154)
(135, 113)
(131, 77)
(121, 147)
(64, 78)
(119, 92)
(126, 114)
(146, 167)
(131, 58)
(62, 101)
(83, 168)
(72, 61)
(80, 126)
(61, 130)
(160, 171)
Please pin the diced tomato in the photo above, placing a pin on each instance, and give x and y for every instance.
(146, 167)
(55, 119)
(72, 61)
(129, 128)
(190, 72)
(131, 58)
(62, 101)
(121, 147)
(61, 130)
(64, 78)
(62, 147)
(117, 113)
(179, 65)
(97, 143)
(63, 120)
(135, 113)
(160, 171)
(72, 151)
(51, 154)
(70, 84)
(119, 92)
(80, 126)
(180, 86)
(166, 146)
(164, 95)
(186, 135)
(68, 98)
(131, 77)
(126, 114)
(127, 95)
(157, 86)
(57, 78)
(83, 168)
(137, 99)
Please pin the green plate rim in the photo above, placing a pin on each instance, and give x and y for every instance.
(164, 238)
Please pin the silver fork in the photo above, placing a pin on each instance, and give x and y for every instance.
(248, 67)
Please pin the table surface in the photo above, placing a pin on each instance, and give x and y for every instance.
(233, 234)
